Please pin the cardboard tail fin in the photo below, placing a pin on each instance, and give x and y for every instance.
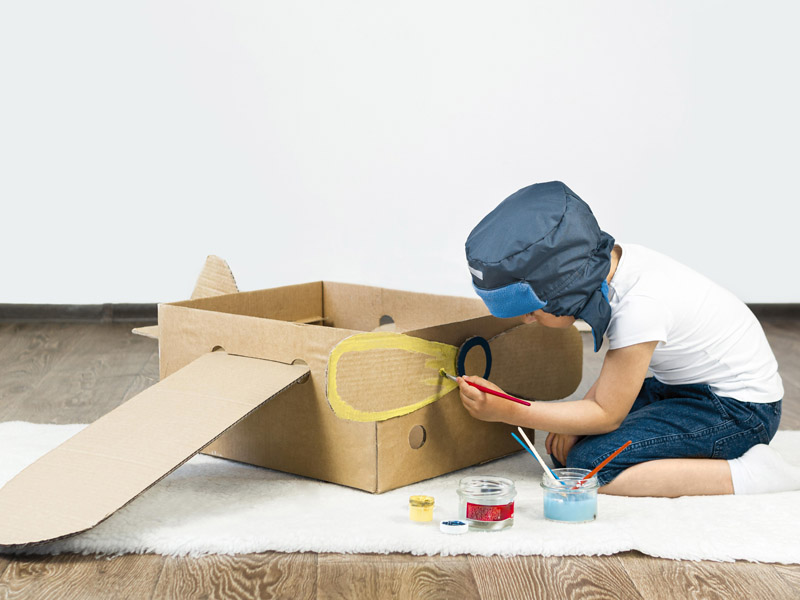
(102, 468)
(215, 279)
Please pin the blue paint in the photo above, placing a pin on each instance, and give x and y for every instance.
(570, 508)
(568, 500)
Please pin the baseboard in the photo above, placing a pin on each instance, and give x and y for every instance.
(125, 313)
(78, 313)
(786, 310)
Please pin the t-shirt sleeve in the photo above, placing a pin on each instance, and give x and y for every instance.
(636, 320)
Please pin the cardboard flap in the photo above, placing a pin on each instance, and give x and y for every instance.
(216, 279)
(96, 472)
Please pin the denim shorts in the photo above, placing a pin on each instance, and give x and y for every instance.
(677, 421)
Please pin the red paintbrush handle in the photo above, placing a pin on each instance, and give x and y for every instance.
(498, 394)
(594, 471)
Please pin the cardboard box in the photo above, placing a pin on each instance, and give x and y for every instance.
(333, 381)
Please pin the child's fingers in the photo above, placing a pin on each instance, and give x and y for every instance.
(482, 381)
(558, 448)
(468, 392)
(548, 443)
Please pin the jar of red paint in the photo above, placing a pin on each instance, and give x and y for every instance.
(486, 503)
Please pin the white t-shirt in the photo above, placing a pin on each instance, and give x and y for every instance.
(705, 334)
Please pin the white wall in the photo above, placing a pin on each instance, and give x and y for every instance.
(361, 141)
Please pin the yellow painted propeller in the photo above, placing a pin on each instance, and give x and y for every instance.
(379, 375)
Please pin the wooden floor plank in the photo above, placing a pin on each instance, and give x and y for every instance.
(80, 577)
(247, 576)
(379, 576)
(71, 373)
(93, 380)
(556, 577)
(674, 579)
(147, 376)
(791, 575)
(29, 354)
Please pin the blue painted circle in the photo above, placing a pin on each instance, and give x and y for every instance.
(469, 345)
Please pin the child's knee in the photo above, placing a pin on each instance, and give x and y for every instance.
(582, 456)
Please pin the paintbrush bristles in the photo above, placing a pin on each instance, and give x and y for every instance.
(444, 373)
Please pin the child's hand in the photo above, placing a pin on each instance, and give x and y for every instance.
(559, 445)
(481, 405)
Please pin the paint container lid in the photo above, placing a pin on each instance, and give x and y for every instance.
(455, 526)
(421, 501)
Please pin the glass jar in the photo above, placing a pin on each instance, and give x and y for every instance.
(567, 502)
(487, 503)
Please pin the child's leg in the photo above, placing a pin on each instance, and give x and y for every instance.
(673, 477)
(759, 470)
(683, 437)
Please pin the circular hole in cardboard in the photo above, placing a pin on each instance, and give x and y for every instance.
(218, 349)
(385, 320)
(300, 361)
(417, 437)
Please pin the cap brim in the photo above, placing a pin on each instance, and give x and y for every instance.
(512, 300)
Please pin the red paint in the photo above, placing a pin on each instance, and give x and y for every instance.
(482, 512)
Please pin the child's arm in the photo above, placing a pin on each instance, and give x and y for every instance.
(602, 410)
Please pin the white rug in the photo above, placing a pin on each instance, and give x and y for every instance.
(216, 506)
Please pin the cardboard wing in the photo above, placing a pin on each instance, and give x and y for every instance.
(99, 470)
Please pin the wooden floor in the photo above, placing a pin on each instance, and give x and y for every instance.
(74, 373)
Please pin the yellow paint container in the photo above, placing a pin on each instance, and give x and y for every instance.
(420, 508)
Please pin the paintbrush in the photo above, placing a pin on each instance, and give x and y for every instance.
(485, 389)
(594, 471)
(536, 454)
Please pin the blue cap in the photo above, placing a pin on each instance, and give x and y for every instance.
(542, 248)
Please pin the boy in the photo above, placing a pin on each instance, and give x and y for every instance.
(702, 424)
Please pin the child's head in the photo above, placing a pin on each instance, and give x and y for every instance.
(542, 250)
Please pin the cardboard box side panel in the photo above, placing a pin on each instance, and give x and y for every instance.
(416, 310)
(534, 362)
(361, 307)
(351, 306)
(299, 432)
(453, 440)
(300, 435)
(300, 302)
(186, 333)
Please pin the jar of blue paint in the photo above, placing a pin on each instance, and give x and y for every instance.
(567, 502)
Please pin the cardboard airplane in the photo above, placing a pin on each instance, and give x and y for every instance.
(333, 381)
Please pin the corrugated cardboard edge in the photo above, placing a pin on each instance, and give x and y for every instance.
(31, 496)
